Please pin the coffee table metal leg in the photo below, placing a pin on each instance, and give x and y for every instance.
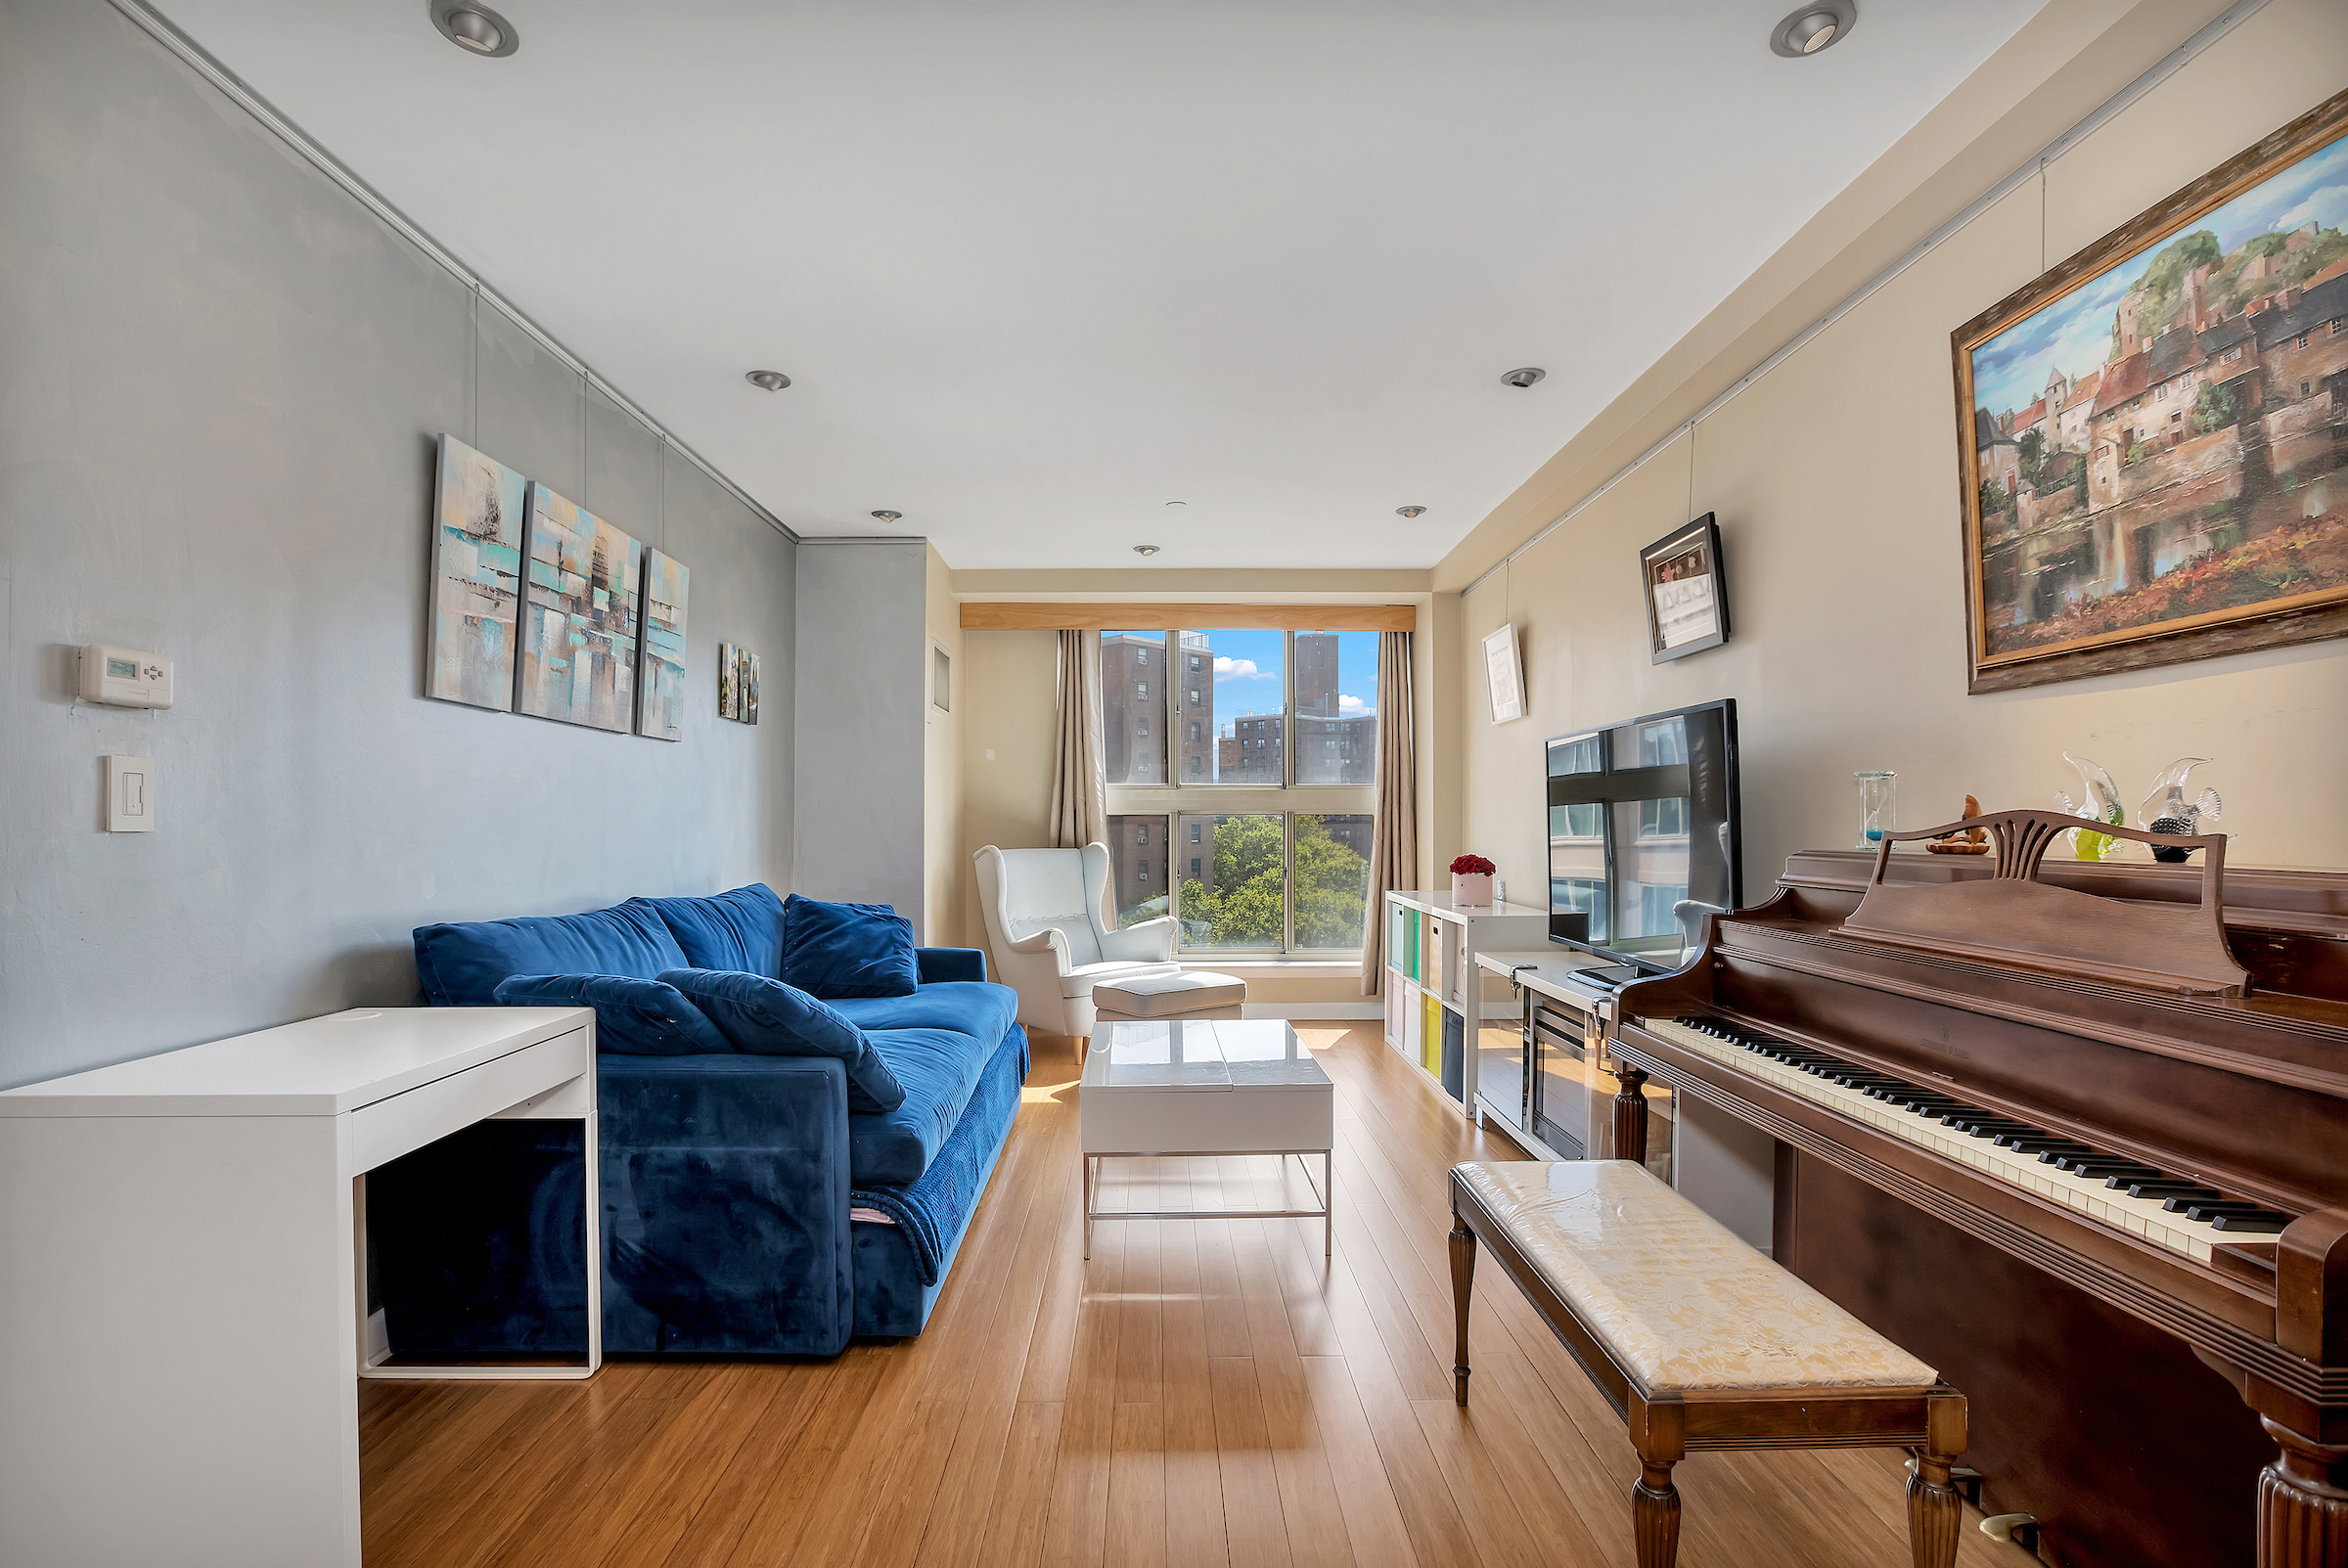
(1328, 1203)
(1089, 1167)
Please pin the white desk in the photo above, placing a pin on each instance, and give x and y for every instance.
(1223, 1086)
(182, 1277)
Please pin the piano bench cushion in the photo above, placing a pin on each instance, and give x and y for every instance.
(1681, 1304)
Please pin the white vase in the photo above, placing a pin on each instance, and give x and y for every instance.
(1473, 889)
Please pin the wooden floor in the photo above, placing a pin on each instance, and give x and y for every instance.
(1199, 1392)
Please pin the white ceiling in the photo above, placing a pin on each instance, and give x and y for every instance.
(1039, 268)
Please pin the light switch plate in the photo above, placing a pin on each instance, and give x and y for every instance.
(130, 795)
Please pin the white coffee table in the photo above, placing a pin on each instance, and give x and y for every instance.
(1224, 1086)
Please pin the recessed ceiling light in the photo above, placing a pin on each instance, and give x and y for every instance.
(889, 516)
(1409, 511)
(1810, 29)
(1178, 502)
(475, 28)
(1152, 550)
(772, 381)
(1523, 376)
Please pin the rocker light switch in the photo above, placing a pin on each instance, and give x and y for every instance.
(130, 795)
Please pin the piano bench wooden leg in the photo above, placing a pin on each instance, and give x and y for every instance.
(1935, 1513)
(1630, 1114)
(1462, 1282)
(1655, 1515)
(2303, 1503)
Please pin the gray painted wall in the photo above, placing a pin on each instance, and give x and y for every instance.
(220, 382)
(863, 643)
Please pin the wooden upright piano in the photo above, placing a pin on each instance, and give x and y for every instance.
(2075, 1133)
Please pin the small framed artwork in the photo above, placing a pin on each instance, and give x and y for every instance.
(746, 681)
(1686, 594)
(1505, 674)
(729, 700)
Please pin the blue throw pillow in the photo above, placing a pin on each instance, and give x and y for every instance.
(769, 1019)
(848, 950)
(632, 1017)
(738, 930)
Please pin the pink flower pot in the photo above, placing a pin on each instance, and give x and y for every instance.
(1473, 889)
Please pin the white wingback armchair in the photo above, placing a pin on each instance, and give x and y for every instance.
(1044, 918)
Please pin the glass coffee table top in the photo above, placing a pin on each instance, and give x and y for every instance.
(1200, 1053)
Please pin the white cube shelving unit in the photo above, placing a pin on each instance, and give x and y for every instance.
(1437, 998)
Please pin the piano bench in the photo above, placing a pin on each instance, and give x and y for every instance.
(1699, 1341)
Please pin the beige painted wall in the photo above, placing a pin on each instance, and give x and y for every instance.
(1835, 482)
(945, 866)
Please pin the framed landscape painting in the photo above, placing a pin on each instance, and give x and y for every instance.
(579, 617)
(476, 577)
(2152, 435)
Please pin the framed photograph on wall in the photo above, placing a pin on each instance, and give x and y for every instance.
(2148, 435)
(1504, 671)
(1687, 593)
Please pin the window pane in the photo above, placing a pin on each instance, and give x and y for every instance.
(1229, 689)
(1337, 708)
(1333, 877)
(1233, 874)
(1133, 749)
(1137, 867)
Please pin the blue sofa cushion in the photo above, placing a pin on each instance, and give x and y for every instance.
(938, 1067)
(461, 964)
(738, 930)
(977, 1008)
(770, 1018)
(632, 1017)
(933, 1213)
(950, 963)
(847, 950)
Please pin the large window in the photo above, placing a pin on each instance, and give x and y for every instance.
(1242, 785)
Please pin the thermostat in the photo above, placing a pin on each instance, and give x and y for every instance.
(125, 677)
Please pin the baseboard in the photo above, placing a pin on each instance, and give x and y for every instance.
(1367, 1007)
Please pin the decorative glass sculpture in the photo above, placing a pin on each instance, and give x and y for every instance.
(2166, 810)
(2100, 801)
(1879, 807)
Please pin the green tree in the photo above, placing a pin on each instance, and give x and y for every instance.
(2033, 449)
(1243, 910)
(1331, 881)
(2163, 281)
(2216, 408)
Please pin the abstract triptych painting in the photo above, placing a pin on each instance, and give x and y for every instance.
(540, 607)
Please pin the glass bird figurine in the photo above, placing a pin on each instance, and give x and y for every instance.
(2166, 810)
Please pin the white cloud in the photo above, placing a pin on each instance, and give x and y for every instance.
(2325, 206)
(1353, 707)
(1240, 669)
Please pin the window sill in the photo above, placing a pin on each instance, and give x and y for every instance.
(1291, 967)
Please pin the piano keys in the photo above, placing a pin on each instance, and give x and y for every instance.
(2131, 1078)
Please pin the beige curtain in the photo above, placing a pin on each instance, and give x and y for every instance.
(1079, 796)
(1394, 831)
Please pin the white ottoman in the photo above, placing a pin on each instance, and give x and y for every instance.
(1194, 994)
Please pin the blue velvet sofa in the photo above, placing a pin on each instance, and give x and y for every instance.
(727, 1178)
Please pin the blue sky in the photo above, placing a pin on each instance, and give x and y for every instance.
(2009, 371)
(1249, 667)
(1249, 672)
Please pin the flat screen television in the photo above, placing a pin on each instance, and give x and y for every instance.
(1642, 836)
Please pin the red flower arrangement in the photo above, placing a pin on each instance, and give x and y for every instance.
(1472, 866)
